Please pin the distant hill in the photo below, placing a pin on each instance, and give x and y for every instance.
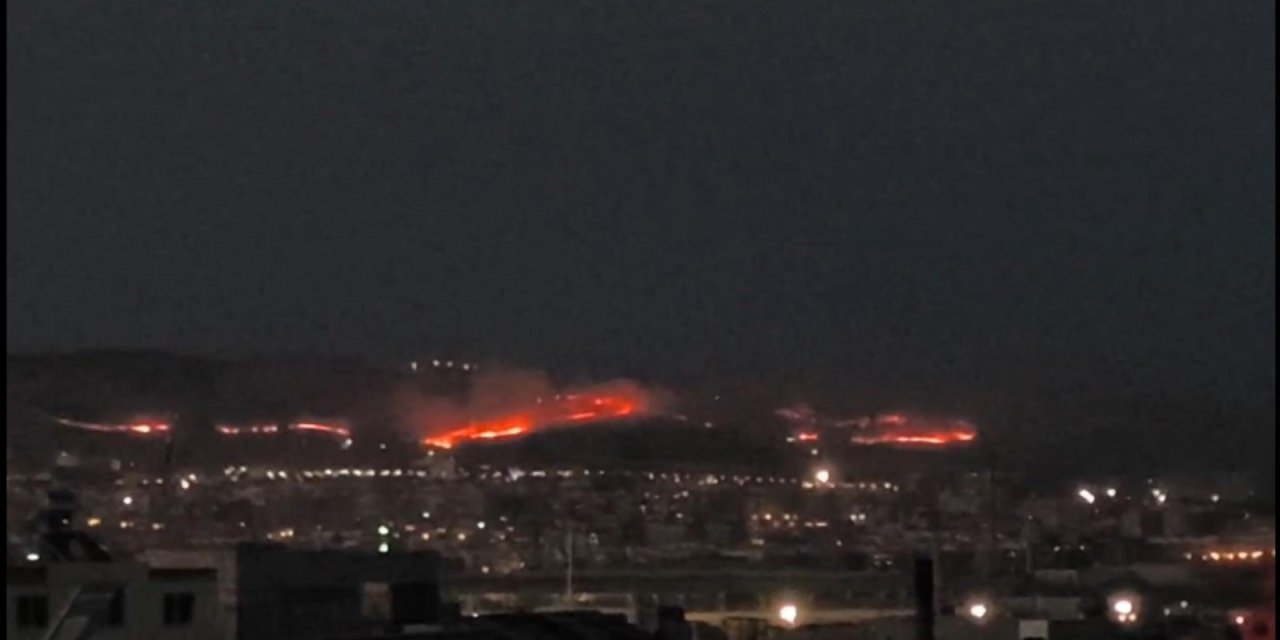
(1055, 433)
(199, 391)
(650, 443)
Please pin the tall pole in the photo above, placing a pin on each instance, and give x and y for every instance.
(568, 576)
(924, 598)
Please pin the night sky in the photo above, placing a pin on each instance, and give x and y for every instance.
(1063, 190)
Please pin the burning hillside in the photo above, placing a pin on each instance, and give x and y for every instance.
(135, 428)
(162, 427)
(561, 410)
(893, 429)
(509, 404)
(905, 430)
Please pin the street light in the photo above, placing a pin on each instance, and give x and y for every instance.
(788, 613)
(978, 611)
(1126, 610)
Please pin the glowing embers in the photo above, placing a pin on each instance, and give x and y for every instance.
(935, 439)
(336, 431)
(540, 415)
(333, 430)
(140, 428)
(896, 429)
(255, 429)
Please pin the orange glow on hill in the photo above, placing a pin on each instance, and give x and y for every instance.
(936, 438)
(562, 411)
(891, 429)
(913, 431)
(145, 428)
(261, 429)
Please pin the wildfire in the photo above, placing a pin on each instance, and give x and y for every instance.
(235, 430)
(333, 430)
(562, 410)
(260, 429)
(154, 428)
(938, 439)
(133, 428)
(911, 431)
(893, 429)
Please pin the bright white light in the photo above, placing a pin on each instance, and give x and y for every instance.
(823, 476)
(1216, 498)
(480, 525)
(33, 557)
(1087, 496)
(128, 500)
(788, 613)
(1240, 620)
(185, 484)
(978, 611)
(1111, 492)
(1123, 607)
(383, 530)
(383, 548)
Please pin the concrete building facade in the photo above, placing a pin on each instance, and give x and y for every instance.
(270, 592)
(144, 603)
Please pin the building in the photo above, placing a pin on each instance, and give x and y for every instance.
(270, 592)
(139, 602)
(60, 583)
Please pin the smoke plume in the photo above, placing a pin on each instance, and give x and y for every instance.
(506, 403)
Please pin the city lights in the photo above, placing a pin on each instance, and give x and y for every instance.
(1125, 609)
(788, 613)
(978, 611)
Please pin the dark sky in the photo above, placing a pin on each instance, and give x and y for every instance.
(1060, 189)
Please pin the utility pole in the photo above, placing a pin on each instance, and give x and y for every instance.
(992, 520)
(568, 576)
(924, 588)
